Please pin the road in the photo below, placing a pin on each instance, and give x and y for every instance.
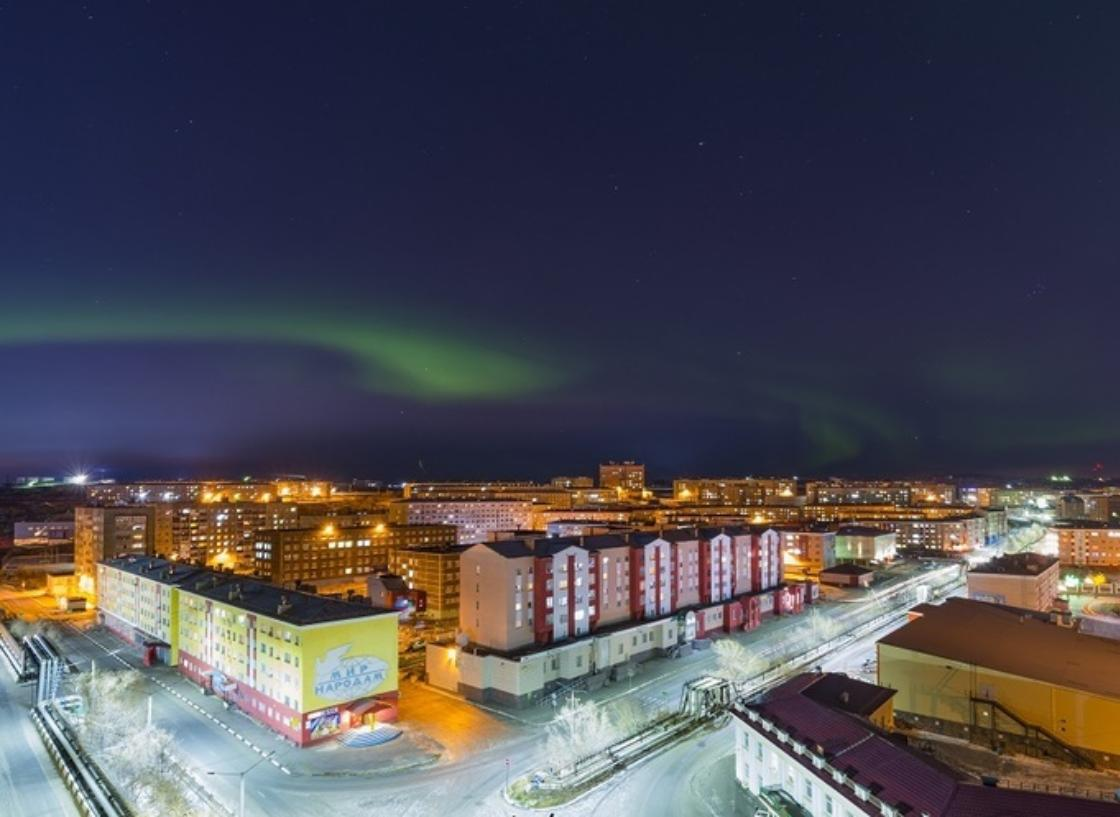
(29, 784)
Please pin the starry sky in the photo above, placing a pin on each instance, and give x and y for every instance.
(406, 240)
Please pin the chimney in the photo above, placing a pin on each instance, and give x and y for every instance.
(284, 605)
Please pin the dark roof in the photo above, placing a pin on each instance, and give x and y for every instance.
(1012, 641)
(911, 781)
(846, 569)
(163, 571)
(251, 595)
(1017, 564)
(839, 691)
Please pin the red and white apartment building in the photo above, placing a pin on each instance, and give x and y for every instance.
(649, 591)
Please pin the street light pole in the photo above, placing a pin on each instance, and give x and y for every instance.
(241, 781)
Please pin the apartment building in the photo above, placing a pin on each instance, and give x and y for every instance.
(553, 496)
(1088, 544)
(808, 550)
(735, 492)
(219, 534)
(627, 477)
(476, 519)
(109, 533)
(534, 591)
(434, 571)
(946, 536)
(138, 599)
(140, 493)
(880, 492)
(287, 556)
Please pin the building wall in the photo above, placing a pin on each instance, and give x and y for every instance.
(490, 588)
(285, 675)
(1089, 546)
(435, 571)
(612, 590)
(939, 688)
(108, 533)
(809, 551)
(1033, 592)
(867, 547)
(476, 520)
(764, 762)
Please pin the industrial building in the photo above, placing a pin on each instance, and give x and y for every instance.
(1007, 676)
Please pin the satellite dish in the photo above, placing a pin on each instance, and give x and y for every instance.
(462, 640)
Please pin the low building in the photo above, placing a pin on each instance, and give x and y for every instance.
(847, 574)
(1028, 580)
(288, 556)
(973, 669)
(819, 745)
(862, 543)
(1088, 544)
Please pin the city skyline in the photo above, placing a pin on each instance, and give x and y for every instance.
(507, 241)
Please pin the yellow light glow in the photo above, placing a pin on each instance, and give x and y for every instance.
(329, 529)
(685, 493)
(379, 527)
(452, 654)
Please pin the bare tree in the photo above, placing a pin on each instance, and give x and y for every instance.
(579, 729)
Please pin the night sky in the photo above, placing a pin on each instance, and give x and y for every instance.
(513, 239)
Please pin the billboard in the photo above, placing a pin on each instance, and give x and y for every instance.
(347, 660)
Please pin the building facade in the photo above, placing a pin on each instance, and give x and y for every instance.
(477, 520)
(305, 666)
(1088, 544)
(808, 550)
(1027, 580)
(109, 533)
(735, 492)
(628, 477)
(861, 543)
(433, 570)
(287, 556)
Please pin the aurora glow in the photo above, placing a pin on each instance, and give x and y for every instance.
(389, 358)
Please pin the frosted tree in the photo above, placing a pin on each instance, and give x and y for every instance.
(735, 663)
(579, 729)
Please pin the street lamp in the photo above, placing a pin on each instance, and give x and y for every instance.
(241, 781)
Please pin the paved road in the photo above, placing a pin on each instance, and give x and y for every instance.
(29, 784)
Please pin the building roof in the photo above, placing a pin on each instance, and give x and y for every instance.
(1017, 564)
(809, 708)
(1011, 641)
(247, 594)
(846, 569)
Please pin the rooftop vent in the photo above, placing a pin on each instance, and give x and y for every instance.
(284, 605)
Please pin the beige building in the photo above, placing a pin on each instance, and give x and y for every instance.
(287, 556)
(1088, 544)
(1027, 580)
(477, 520)
(1009, 678)
(109, 533)
(219, 535)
